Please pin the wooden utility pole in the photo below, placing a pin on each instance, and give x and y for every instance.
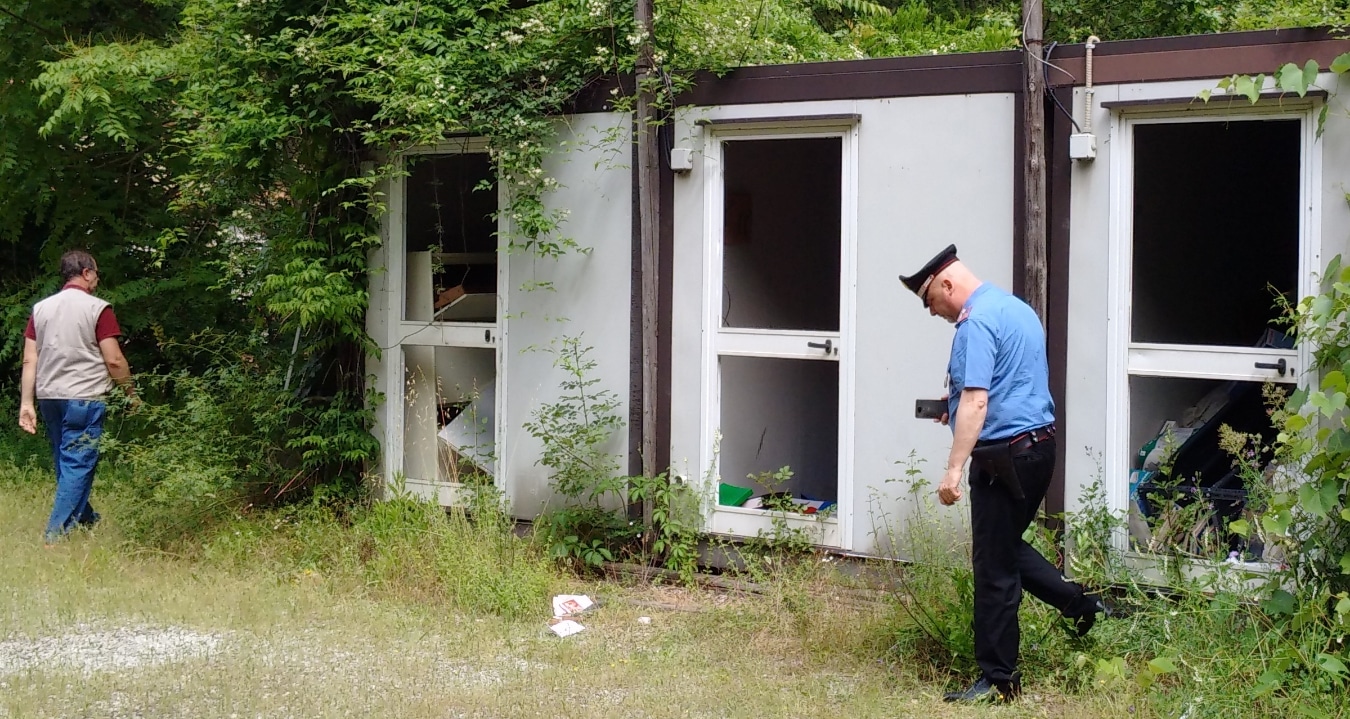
(1033, 167)
(648, 179)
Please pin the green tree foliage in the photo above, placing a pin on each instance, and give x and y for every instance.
(104, 187)
(917, 28)
(1076, 20)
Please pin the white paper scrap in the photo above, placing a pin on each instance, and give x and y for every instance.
(566, 628)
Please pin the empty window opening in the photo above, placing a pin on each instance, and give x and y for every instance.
(1185, 487)
(1216, 229)
(449, 423)
(451, 233)
(777, 414)
(780, 233)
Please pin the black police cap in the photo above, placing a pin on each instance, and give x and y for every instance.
(918, 282)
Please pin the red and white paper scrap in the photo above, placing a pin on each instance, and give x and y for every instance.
(564, 606)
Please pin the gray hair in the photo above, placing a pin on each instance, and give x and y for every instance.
(75, 262)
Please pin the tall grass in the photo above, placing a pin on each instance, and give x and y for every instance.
(402, 548)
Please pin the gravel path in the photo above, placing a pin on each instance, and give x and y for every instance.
(284, 674)
(93, 649)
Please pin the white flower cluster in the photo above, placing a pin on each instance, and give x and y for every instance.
(596, 7)
(533, 24)
(513, 38)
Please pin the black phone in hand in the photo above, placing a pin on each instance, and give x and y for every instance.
(930, 408)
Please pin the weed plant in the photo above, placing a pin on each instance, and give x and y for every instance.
(934, 602)
(588, 522)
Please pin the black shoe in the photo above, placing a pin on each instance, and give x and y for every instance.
(1083, 623)
(986, 690)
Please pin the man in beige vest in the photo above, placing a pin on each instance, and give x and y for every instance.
(71, 358)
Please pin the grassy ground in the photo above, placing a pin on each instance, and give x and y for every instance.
(93, 628)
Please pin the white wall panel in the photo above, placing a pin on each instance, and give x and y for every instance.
(590, 296)
(1083, 416)
(932, 171)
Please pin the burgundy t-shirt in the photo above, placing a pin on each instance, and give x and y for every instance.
(106, 327)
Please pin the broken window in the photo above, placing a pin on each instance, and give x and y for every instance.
(1216, 229)
(1186, 485)
(449, 425)
(777, 414)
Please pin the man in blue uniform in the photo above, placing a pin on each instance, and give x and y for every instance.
(1001, 413)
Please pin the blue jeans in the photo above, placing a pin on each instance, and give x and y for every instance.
(73, 429)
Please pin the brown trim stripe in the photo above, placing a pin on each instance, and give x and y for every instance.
(1222, 102)
(1192, 64)
(1156, 59)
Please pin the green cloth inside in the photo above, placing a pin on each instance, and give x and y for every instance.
(731, 495)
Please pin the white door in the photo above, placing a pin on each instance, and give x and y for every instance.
(777, 315)
(1214, 220)
(445, 232)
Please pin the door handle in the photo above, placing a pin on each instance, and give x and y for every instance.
(1280, 366)
(827, 345)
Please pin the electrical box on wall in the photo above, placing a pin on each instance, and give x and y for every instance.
(1083, 146)
(681, 159)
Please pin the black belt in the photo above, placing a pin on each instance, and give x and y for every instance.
(1024, 441)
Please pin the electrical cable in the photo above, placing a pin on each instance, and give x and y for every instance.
(1046, 73)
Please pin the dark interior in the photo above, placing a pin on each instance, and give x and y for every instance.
(781, 217)
(1216, 229)
(452, 206)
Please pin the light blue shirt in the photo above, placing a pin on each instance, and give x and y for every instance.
(1000, 346)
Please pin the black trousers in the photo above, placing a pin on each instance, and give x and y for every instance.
(1004, 564)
